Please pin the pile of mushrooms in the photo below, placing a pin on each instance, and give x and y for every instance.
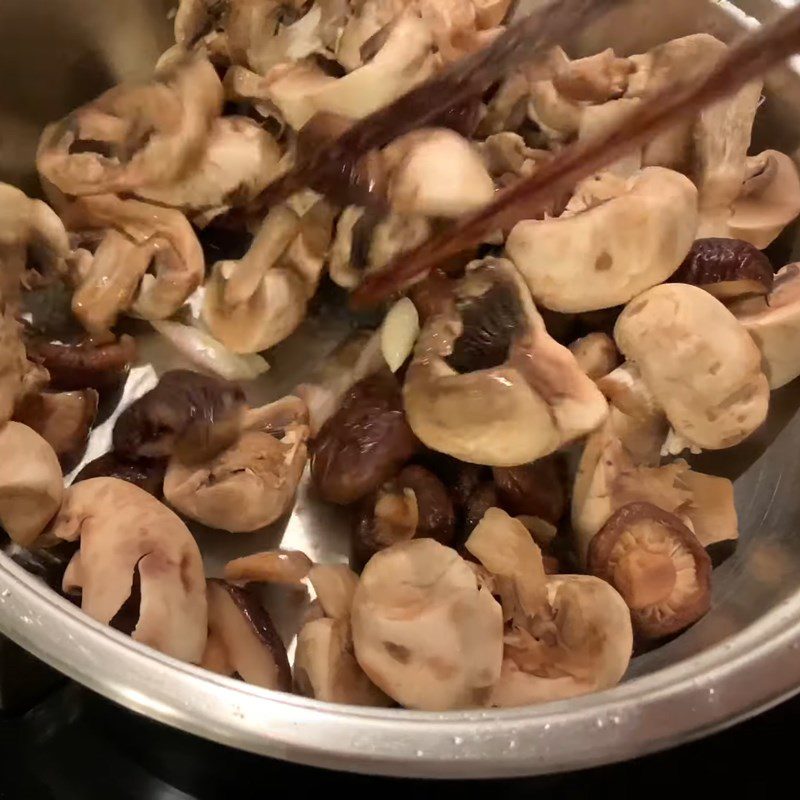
(512, 444)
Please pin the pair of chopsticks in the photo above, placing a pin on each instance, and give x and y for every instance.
(523, 41)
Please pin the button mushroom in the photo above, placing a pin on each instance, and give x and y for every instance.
(658, 566)
(711, 387)
(133, 136)
(436, 173)
(607, 254)
(253, 481)
(31, 486)
(256, 302)
(242, 639)
(122, 529)
(596, 354)
(364, 443)
(424, 630)
(193, 414)
(63, 419)
(567, 635)
(774, 324)
(488, 385)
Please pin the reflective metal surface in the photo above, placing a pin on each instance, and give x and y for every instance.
(742, 657)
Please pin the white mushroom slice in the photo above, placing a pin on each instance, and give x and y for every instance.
(774, 324)
(608, 254)
(594, 79)
(506, 154)
(288, 567)
(251, 483)
(367, 20)
(14, 366)
(175, 112)
(708, 379)
(301, 90)
(326, 669)
(597, 121)
(424, 630)
(27, 227)
(240, 159)
(557, 116)
(123, 529)
(169, 247)
(31, 485)
(596, 354)
(712, 511)
(399, 332)
(769, 203)
(335, 585)
(256, 302)
(501, 398)
(436, 173)
(457, 27)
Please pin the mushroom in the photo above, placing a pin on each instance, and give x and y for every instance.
(82, 365)
(133, 137)
(31, 486)
(726, 268)
(436, 173)
(596, 354)
(607, 254)
(288, 567)
(567, 635)
(508, 157)
(166, 243)
(594, 79)
(240, 159)
(252, 482)
(769, 200)
(774, 323)
(459, 27)
(189, 413)
(365, 23)
(399, 332)
(302, 89)
(325, 667)
(711, 387)
(537, 489)
(122, 529)
(364, 443)
(146, 473)
(414, 504)
(27, 228)
(657, 565)
(13, 366)
(712, 513)
(424, 629)
(256, 302)
(487, 383)
(242, 639)
(63, 420)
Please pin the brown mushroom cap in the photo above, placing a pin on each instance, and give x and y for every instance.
(242, 639)
(658, 566)
(31, 485)
(537, 489)
(424, 630)
(123, 529)
(271, 566)
(253, 481)
(146, 473)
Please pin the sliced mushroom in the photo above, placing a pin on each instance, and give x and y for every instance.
(335, 585)
(657, 565)
(488, 385)
(31, 486)
(712, 513)
(27, 228)
(240, 159)
(711, 387)
(399, 331)
(256, 302)
(133, 136)
(13, 366)
(365, 22)
(424, 630)
(166, 243)
(608, 254)
(242, 639)
(568, 634)
(596, 354)
(272, 566)
(252, 482)
(122, 529)
(436, 173)
(460, 27)
(774, 324)
(595, 79)
(768, 202)
(63, 420)
(507, 157)
(189, 413)
(146, 473)
(364, 443)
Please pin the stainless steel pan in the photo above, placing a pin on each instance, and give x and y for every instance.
(741, 658)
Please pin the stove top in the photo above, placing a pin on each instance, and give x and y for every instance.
(60, 741)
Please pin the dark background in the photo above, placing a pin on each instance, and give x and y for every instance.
(58, 741)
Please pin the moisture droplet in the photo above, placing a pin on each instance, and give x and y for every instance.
(512, 745)
(599, 723)
(458, 740)
(7, 593)
(547, 726)
(419, 754)
(710, 692)
(616, 719)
